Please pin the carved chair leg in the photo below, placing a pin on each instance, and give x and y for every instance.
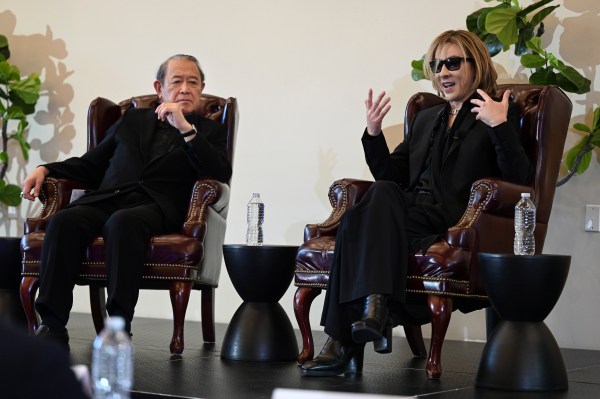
(441, 311)
(414, 336)
(208, 314)
(29, 287)
(302, 302)
(180, 296)
(98, 305)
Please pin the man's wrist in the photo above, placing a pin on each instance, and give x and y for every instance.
(190, 133)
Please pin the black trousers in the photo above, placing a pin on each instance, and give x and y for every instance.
(126, 224)
(372, 246)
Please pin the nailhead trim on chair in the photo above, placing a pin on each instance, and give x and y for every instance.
(196, 194)
(45, 204)
(478, 209)
(312, 271)
(333, 202)
(311, 285)
(438, 293)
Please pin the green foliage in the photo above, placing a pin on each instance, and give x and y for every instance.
(579, 157)
(506, 25)
(18, 97)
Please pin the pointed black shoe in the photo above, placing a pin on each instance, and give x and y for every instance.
(335, 359)
(62, 338)
(375, 324)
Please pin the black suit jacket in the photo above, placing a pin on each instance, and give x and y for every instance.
(476, 151)
(120, 163)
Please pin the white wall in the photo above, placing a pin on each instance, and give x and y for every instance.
(300, 71)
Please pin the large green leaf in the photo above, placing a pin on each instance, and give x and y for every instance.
(534, 7)
(503, 23)
(535, 44)
(596, 122)
(472, 22)
(525, 34)
(27, 89)
(543, 76)
(539, 17)
(23, 144)
(4, 50)
(417, 69)
(494, 45)
(533, 61)
(8, 73)
(574, 152)
(582, 128)
(10, 195)
(576, 82)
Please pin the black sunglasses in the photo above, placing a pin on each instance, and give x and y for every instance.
(452, 64)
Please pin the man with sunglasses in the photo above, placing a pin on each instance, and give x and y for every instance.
(421, 189)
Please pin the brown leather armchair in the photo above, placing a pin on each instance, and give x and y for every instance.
(178, 262)
(447, 276)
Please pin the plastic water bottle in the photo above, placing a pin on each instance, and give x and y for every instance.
(256, 217)
(524, 226)
(112, 361)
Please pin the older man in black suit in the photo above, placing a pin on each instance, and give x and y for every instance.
(144, 170)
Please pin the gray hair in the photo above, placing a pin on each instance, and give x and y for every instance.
(162, 69)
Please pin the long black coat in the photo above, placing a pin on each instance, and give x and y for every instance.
(476, 151)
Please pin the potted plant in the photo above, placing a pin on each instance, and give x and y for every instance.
(18, 97)
(507, 25)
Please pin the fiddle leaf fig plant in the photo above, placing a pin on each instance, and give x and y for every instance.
(18, 97)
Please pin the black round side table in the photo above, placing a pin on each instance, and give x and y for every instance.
(260, 330)
(521, 354)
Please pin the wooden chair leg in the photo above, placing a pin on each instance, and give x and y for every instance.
(98, 305)
(302, 302)
(414, 336)
(29, 287)
(180, 296)
(441, 311)
(208, 315)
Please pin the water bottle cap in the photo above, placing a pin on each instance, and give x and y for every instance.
(525, 195)
(256, 194)
(115, 323)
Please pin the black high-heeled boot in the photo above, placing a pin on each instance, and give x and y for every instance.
(375, 324)
(335, 359)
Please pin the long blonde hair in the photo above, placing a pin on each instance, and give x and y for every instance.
(471, 47)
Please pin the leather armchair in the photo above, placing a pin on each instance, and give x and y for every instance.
(178, 262)
(447, 277)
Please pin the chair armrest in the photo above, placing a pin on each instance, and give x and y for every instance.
(55, 194)
(342, 194)
(489, 197)
(207, 195)
(492, 196)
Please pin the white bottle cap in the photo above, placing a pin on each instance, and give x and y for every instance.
(525, 195)
(116, 323)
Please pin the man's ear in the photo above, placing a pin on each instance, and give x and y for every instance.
(158, 88)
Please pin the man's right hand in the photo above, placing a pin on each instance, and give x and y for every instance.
(376, 111)
(33, 183)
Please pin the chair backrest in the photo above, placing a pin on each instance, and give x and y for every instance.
(546, 114)
(103, 113)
